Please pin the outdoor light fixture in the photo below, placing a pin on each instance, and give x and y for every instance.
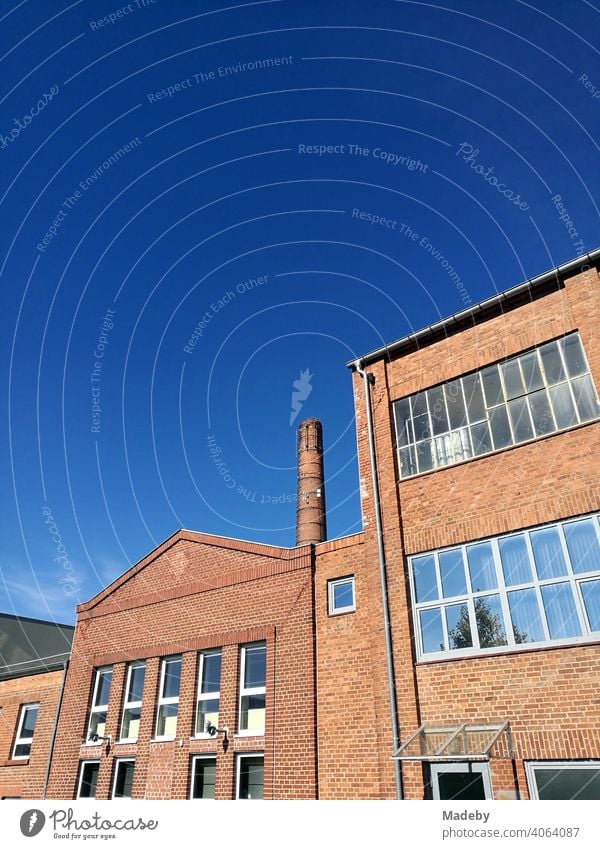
(213, 731)
(95, 738)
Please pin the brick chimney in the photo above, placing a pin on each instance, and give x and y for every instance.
(310, 510)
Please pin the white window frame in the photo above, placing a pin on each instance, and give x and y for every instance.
(168, 700)
(331, 585)
(250, 691)
(97, 708)
(238, 772)
(205, 697)
(531, 766)
(118, 762)
(574, 579)
(128, 705)
(82, 765)
(460, 766)
(19, 739)
(192, 773)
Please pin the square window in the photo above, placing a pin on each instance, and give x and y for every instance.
(341, 596)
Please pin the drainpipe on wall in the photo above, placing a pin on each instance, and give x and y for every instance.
(55, 728)
(368, 379)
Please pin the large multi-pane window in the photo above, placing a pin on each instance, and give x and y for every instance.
(532, 587)
(168, 699)
(209, 685)
(99, 709)
(253, 662)
(524, 397)
(25, 729)
(132, 707)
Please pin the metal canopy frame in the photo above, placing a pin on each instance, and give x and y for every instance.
(452, 732)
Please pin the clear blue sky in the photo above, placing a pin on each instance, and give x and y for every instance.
(178, 167)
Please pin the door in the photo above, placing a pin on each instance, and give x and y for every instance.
(460, 781)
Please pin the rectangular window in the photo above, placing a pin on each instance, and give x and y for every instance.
(203, 777)
(88, 779)
(564, 780)
(527, 588)
(250, 777)
(168, 700)
(123, 781)
(132, 707)
(340, 594)
(25, 729)
(523, 398)
(99, 709)
(253, 681)
(209, 686)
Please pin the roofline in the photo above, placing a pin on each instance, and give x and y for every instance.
(556, 273)
(239, 539)
(55, 666)
(34, 619)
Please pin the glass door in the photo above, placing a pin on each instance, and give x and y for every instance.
(460, 781)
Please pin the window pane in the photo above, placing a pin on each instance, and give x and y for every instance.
(564, 783)
(29, 721)
(490, 621)
(136, 683)
(211, 673)
(208, 712)
(459, 626)
(403, 429)
(98, 723)
(408, 465)
(424, 456)
(432, 634)
(443, 450)
(492, 386)
(513, 382)
(541, 413)
(124, 781)
(103, 691)
(500, 427)
(89, 780)
(481, 567)
(582, 543)
(562, 404)
(437, 410)
(420, 417)
(172, 678)
(255, 674)
(560, 611)
(531, 371)
(425, 580)
(452, 573)
(474, 397)
(22, 750)
(455, 403)
(553, 367)
(526, 618)
(585, 398)
(251, 778)
(343, 595)
(482, 440)
(515, 560)
(167, 721)
(519, 418)
(131, 723)
(203, 786)
(252, 713)
(590, 590)
(547, 552)
(574, 356)
(461, 445)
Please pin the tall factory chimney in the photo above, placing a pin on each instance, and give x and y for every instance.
(310, 509)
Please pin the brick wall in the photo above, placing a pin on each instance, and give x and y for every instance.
(25, 778)
(224, 595)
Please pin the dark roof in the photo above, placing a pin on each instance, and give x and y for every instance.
(29, 646)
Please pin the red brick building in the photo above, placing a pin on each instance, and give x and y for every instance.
(450, 650)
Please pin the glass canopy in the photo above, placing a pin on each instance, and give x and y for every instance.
(449, 743)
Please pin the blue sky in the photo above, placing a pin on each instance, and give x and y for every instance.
(201, 202)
